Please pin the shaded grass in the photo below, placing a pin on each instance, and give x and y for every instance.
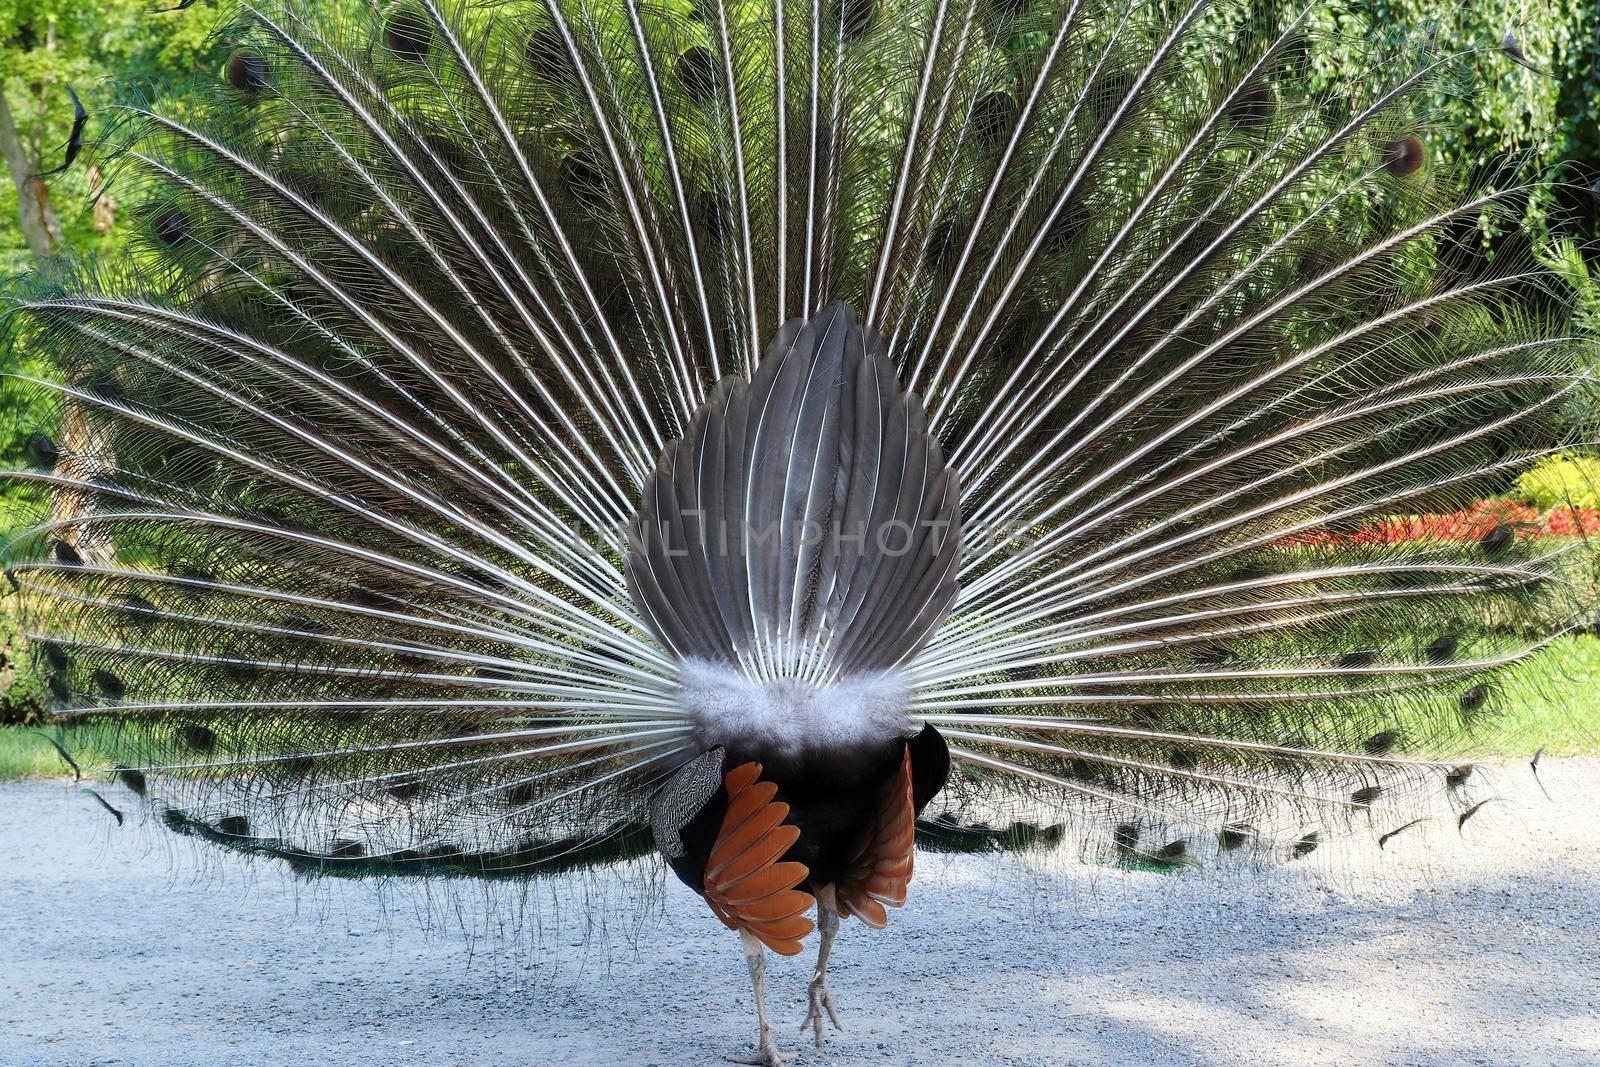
(1551, 701)
(26, 752)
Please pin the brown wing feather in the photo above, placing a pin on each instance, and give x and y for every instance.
(880, 872)
(745, 884)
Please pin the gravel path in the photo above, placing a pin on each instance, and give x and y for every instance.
(124, 947)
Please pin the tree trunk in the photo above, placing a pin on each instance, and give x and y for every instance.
(39, 225)
(105, 207)
(86, 453)
(85, 448)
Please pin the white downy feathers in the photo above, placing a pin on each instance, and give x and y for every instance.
(793, 718)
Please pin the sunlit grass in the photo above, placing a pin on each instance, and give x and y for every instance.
(1550, 701)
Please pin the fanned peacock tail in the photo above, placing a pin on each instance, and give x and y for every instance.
(334, 539)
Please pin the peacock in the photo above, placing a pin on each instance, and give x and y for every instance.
(767, 434)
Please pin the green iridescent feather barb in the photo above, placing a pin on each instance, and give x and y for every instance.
(528, 436)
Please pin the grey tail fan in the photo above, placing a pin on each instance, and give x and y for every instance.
(806, 526)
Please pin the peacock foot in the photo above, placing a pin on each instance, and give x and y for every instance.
(766, 1054)
(821, 1001)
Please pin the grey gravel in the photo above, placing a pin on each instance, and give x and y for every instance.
(125, 946)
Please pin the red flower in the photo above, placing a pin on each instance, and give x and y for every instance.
(1469, 524)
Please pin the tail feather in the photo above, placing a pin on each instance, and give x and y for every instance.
(336, 546)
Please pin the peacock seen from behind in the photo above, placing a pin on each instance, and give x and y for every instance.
(531, 435)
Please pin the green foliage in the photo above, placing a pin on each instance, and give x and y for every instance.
(1561, 481)
(51, 44)
(1513, 110)
(21, 416)
(22, 698)
(1546, 119)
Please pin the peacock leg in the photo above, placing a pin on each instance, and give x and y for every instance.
(828, 924)
(766, 1054)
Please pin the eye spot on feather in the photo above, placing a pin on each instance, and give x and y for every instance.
(1363, 797)
(1172, 852)
(65, 554)
(1381, 744)
(1126, 837)
(109, 685)
(583, 180)
(1404, 156)
(697, 72)
(246, 72)
(1306, 845)
(133, 779)
(1443, 649)
(943, 242)
(171, 227)
(59, 688)
(1473, 699)
(199, 738)
(234, 826)
(1456, 777)
(408, 36)
(404, 788)
(1497, 540)
(1253, 108)
(710, 216)
(549, 59)
(1234, 836)
(1183, 759)
(519, 794)
(42, 452)
(992, 117)
(855, 18)
(345, 849)
(1358, 659)
(55, 657)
